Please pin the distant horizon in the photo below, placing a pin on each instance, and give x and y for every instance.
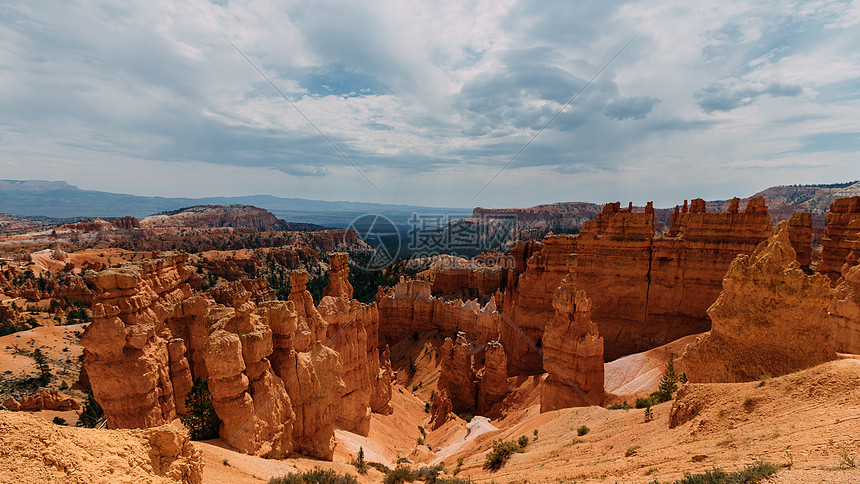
(596, 202)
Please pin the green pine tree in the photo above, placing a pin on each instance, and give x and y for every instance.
(200, 417)
(44, 368)
(669, 382)
(92, 412)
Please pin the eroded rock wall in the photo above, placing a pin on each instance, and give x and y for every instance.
(645, 290)
(572, 350)
(127, 358)
(771, 318)
(840, 247)
(409, 307)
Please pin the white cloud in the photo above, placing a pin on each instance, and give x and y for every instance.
(117, 95)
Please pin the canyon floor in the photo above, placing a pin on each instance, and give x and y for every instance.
(808, 421)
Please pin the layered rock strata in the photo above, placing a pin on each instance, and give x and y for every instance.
(353, 331)
(646, 290)
(771, 318)
(572, 349)
(276, 388)
(457, 378)
(466, 279)
(846, 312)
(409, 307)
(127, 358)
(840, 247)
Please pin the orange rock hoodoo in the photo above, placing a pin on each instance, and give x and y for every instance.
(274, 384)
(770, 319)
(646, 290)
(572, 349)
(840, 247)
(353, 330)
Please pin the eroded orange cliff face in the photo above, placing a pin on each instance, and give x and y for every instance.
(274, 385)
(353, 331)
(846, 312)
(126, 345)
(840, 247)
(466, 279)
(645, 290)
(771, 318)
(409, 307)
(572, 350)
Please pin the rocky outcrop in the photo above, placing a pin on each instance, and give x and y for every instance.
(409, 307)
(646, 290)
(441, 409)
(35, 450)
(313, 380)
(275, 387)
(572, 349)
(380, 399)
(457, 376)
(493, 385)
(338, 276)
(311, 325)
(43, 399)
(846, 312)
(127, 358)
(465, 279)
(353, 331)
(800, 236)
(255, 411)
(840, 247)
(770, 319)
(348, 323)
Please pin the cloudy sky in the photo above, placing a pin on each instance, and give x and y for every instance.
(431, 99)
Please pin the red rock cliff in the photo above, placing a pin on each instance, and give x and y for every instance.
(770, 319)
(572, 350)
(840, 247)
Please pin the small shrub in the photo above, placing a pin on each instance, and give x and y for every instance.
(415, 388)
(631, 451)
(423, 432)
(846, 460)
(225, 462)
(401, 473)
(619, 406)
(749, 404)
(502, 451)
(59, 421)
(750, 474)
(419, 441)
(649, 415)
(582, 430)
(523, 441)
(380, 467)
(316, 476)
(645, 402)
(466, 416)
(535, 433)
(412, 368)
(200, 417)
(430, 473)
